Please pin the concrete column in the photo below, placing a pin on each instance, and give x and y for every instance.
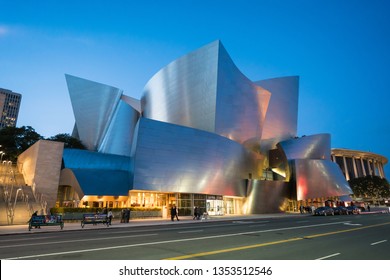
(346, 169)
(381, 170)
(363, 168)
(354, 167)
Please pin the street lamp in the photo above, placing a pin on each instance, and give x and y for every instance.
(16, 197)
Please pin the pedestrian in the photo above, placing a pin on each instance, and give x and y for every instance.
(174, 213)
(368, 207)
(32, 217)
(177, 213)
(109, 216)
(195, 213)
(127, 215)
(123, 215)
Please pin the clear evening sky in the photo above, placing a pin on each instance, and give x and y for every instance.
(339, 48)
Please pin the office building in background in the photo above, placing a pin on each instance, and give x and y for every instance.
(9, 107)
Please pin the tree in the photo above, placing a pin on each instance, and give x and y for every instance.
(69, 141)
(15, 140)
(370, 187)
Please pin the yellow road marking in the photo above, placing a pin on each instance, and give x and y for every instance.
(202, 254)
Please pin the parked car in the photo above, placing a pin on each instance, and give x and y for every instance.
(353, 210)
(340, 210)
(323, 211)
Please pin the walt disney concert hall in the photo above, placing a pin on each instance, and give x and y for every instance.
(202, 135)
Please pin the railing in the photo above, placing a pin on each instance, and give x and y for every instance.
(9, 183)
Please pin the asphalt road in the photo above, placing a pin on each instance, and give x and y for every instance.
(350, 237)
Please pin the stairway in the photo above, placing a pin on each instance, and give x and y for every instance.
(17, 201)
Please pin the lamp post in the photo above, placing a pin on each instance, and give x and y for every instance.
(12, 210)
(16, 197)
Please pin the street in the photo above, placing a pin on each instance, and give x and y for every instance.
(345, 237)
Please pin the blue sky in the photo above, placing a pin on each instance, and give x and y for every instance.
(339, 48)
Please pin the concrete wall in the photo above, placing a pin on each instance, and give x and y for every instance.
(41, 167)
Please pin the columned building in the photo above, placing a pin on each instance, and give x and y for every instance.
(356, 164)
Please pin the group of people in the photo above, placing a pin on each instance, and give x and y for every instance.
(307, 209)
(197, 213)
(125, 215)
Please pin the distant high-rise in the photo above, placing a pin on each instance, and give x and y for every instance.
(9, 107)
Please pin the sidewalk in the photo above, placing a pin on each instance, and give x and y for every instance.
(23, 229)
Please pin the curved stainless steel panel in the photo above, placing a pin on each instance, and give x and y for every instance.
(205, 90)
(307, 147)
(172, 158)
(93, 107)
(319, 178)
(281, 119)
(184, 92)
(241, 104)
(119, 137)
(83, 159)
(135, 103)
(266, 196)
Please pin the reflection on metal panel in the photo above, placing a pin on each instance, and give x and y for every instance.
(266, 196)
(74, 159)
(93, 106)
(172, 158)
(282, 114)
(184, 92)
(307, 147)
(319, 178)
(119, 137)
(135, 103)
(205, 90)
(241, 104)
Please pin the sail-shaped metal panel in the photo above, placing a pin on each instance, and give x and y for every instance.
(93, 107)
(241, 104)
(307, 147)
(119, 137)
(281, 120)
(184, 92)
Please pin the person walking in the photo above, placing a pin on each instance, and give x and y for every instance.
(109, 216)
(177, 213)
(174, 213)
(32, 216)
(127, 215)
(123, 213)
(195, 213)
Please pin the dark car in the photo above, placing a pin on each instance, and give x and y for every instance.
(340, 210)
(323, 211)
(353, 210)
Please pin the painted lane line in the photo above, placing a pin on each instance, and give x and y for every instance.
(77, 240)
(329, 256)
(349, 224)
(191, 231)
(375, 243)
(167, 242)
(207, 253)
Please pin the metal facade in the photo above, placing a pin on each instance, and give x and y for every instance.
(201, 126)
(172, 158)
